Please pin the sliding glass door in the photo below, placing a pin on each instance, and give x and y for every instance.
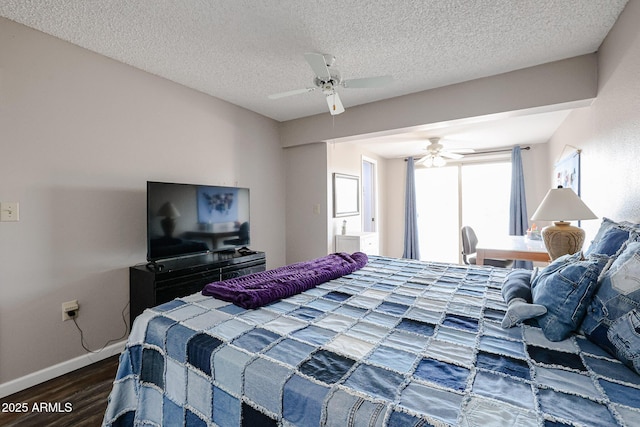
(438, 205)
(475, 194)
(486, 189)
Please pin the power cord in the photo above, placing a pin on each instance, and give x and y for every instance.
(84, 345)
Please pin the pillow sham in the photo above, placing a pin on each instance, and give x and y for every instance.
(606, 225)
(613, 316)
(611, 242)
(565, 288)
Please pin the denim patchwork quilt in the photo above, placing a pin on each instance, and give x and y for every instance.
(396, 343)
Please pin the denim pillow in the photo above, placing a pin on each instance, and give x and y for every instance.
(611, 242)
(565, 288)
(606, 225)
(613, 316)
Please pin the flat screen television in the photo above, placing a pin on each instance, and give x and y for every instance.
(190, 219)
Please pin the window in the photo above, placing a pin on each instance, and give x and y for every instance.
(475, 194)
(437, 208)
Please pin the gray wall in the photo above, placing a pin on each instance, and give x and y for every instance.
(80, 136)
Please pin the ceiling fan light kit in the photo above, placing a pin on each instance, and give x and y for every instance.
(433, 161)
(327, 80)
(436, 154)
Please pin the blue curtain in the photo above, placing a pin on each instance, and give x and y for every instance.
(518, 221)
(411, 246)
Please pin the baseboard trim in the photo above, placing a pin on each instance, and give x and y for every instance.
(38, 377)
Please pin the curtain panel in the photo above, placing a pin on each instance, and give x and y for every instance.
(411, 245)
(518, 220)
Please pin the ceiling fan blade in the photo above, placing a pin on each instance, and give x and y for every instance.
(450, 155)
(421, 160)
(291, 92)
(462, 150)
(335, 105)
(318, 65)
(368, 82)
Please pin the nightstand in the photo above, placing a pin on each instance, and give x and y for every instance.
(363, 241)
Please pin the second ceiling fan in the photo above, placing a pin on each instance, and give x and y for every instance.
(327, 80)
(437, 154)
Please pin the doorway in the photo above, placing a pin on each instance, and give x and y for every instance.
(369, 195)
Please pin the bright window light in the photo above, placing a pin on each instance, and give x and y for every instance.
(452, 196)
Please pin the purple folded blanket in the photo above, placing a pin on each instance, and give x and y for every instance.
(258, 289)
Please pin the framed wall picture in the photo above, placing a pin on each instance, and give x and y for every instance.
(567, 172)
(346, 195)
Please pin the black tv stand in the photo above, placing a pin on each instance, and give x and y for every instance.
(161, 281)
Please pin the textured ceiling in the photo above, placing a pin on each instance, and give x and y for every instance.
(243, 50)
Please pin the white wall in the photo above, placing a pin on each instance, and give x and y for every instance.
(608, 132)
(395, 186)
(346, 158)
(80, 135)
(537, 170)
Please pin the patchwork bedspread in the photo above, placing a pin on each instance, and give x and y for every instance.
(396, 343)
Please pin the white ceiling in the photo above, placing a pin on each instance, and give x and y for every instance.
(243, 50)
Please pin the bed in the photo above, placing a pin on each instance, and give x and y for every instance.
(395, 343)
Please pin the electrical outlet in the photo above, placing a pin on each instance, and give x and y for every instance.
(9, 211)
(70, 309)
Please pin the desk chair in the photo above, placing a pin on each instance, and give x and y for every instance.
(469, 243)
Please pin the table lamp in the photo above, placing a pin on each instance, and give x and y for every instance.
(561, 205)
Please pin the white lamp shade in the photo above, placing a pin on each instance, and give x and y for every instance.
(169, 210)
(562, 204)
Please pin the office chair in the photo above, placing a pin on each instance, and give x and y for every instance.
(469, 243)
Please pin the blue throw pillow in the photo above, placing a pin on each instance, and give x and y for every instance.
(565, 288)
(611, 242)
(606, 225)
(613, 316)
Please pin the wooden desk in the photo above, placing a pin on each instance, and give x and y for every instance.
(512, 247)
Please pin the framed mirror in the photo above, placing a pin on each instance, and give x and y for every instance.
(346, 195)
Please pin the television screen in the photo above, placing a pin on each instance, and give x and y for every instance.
(188, 219)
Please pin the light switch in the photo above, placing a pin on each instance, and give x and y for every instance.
(9, 211)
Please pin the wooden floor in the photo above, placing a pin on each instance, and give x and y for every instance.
(78, 398)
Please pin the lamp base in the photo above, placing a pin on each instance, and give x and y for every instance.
(562, 238)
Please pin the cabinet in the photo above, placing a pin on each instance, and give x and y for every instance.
(156, 283)
(364, 241)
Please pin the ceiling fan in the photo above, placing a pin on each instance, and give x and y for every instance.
(436, 154)
(327, 80)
